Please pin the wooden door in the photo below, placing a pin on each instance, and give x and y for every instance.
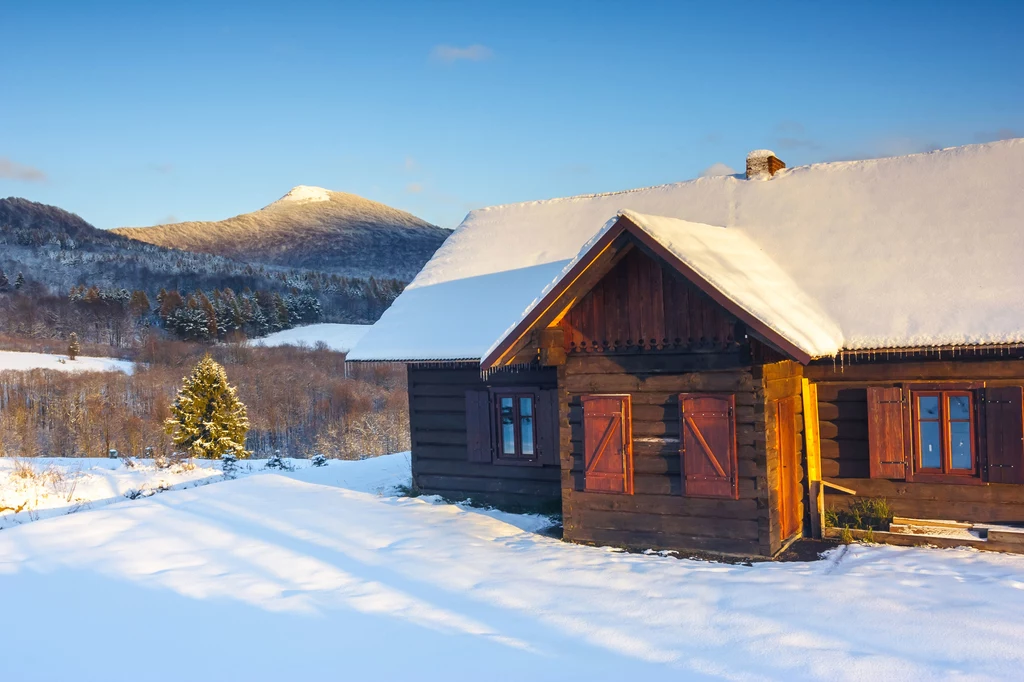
(789, 466)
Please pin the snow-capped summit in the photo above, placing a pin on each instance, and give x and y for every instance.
(302, 194)
(311, 227)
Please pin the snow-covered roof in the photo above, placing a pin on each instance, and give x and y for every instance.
(730, 262)
(912, 251)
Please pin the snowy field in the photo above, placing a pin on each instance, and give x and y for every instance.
(339, 337)
(18, 361)
(326, 574)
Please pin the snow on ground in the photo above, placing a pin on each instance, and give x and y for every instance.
(339, 337)
(18, 361)
(323, 574)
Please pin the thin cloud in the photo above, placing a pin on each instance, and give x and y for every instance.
(791, 128)
(717, 169)
(414, 188)
(11, 170)
(797, 143)
(449, 54)
(411, 164)
(996, 135)
(162, 168)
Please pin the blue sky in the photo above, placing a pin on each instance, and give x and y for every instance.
(140, 113)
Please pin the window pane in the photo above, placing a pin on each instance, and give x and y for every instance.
(959, 407)
(526, 424)
(960, 445)
(931, 454)
(928, 407)
(508, 427)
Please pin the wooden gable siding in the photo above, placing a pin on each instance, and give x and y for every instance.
(642, 303)
(657, 515)
(440, 457)
(844, 429)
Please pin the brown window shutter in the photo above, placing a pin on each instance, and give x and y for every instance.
(479, 441)
(548, 437)
(707, 444)
(886, 454)
(1004, 434)
(607, 444)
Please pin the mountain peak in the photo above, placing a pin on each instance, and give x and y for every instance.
(303, 194)
(312, 228)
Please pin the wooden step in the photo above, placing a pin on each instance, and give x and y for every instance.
(1008, 536)
(935, 523)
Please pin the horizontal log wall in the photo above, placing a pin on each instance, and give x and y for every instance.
(440, 466)
(657, 515)
(842, 413)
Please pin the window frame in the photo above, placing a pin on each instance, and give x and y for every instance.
(497, 433)
(945, 472)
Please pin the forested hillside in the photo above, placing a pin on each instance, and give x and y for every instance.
(60, 274)
(310, 227)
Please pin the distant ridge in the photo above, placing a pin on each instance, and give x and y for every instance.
(311, 227)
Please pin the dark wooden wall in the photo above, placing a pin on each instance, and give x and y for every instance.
(643, 303)
(842, 415)
(657, 515)
(437, 414)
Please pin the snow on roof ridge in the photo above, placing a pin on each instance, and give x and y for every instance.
(828, 341)
(679, 183)
(822, 225)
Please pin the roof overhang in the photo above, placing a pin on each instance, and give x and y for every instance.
(594, 261)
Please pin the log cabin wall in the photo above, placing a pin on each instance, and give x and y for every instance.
(843, 421)
(657, 514)
(440, 457)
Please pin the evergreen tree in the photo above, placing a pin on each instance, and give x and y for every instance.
(73, 346)
(19, 281)
(4, 282)
(208, 420)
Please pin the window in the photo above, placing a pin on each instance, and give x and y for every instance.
(944, 432)
(513, 426)
(515, 419)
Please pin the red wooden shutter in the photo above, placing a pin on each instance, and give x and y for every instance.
(607, 444)
(1004, 434)
(707, 445)
(886, 455)
(478, 426)
(548, 437)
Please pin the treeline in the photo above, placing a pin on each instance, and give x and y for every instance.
(34, 301)
(123, 317)
(299, 402)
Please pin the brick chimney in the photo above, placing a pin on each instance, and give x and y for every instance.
(763, 163)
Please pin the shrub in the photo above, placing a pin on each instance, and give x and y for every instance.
(319, 461)
(276, 461)
(229, 465)
(845, 536)
(868, 513)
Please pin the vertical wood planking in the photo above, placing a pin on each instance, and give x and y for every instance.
(812, 446)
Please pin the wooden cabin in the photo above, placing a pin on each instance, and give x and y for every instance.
(708, 366)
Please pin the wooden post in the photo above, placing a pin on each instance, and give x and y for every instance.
(812, 443)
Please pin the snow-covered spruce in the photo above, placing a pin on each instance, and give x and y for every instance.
(208, 420)
(319, 461)
(229, 465)
(276, 461)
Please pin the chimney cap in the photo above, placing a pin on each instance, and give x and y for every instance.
(762, 163)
